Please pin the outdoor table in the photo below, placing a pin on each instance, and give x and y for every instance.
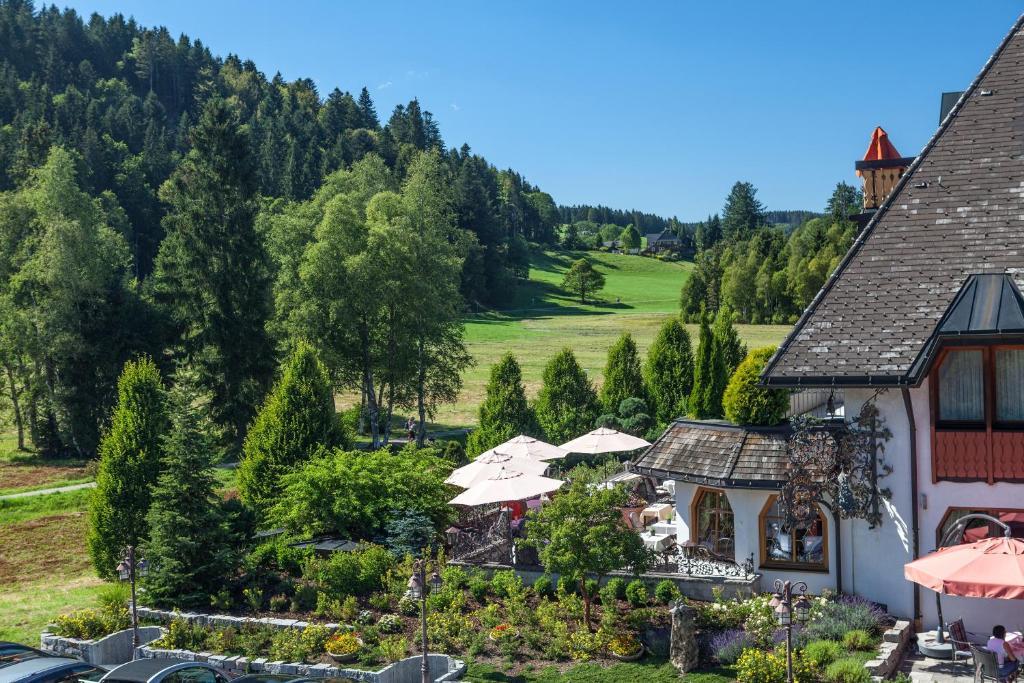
(656, 542)
(1016, 642)
(659, 512)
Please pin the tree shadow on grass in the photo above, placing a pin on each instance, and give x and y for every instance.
(538, 299)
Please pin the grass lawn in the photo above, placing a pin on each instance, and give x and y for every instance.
(648, 671)
(639, 294)
(44, 567)
(26, 471)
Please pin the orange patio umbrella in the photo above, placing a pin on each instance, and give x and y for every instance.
(989, 568)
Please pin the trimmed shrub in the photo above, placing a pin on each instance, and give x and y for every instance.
(745, 401)
(858, 639)
(543, 587)
(506, 583)
(617, 587)
(479, 587)
(667, 591)
(636, 593)
(847, 670)
(455, 576)
(821, 653)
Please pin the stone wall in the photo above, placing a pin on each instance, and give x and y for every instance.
(110, 650)
(442, 667)
(162, 616)
(693, 587)
(895, 642)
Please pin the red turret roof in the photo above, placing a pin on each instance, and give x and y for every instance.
(880, 147)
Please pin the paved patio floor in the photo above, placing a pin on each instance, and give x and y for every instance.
(924, 670)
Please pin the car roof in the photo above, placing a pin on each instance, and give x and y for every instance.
(141, 670)
(30, 667)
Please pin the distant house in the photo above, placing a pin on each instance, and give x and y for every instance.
(615, 246)
(663, 241)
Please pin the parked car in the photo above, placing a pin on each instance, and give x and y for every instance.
(11, 653)
(165, 671)
(42, 668)
(280, 678)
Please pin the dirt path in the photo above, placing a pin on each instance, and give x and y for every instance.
(57, 489)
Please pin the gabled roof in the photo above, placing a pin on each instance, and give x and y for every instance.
(718, 454)
(663, 236)
(955, 212)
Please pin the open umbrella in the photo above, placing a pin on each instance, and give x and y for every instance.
(506, 485)
(489, 463)
(604, 440)
(528, 447)
(989, 568)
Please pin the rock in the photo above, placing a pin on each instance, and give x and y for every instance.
(684, 651)
(258, 664)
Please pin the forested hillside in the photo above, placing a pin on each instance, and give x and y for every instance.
(124, 98)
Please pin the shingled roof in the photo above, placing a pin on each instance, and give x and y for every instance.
(956, 212)
(717, 454)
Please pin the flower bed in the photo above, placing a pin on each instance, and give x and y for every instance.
(837, 644)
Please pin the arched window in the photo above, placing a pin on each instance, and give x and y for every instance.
(977, 529)
(712, 525)
(792, 547)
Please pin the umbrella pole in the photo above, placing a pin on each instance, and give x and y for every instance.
(939, 637)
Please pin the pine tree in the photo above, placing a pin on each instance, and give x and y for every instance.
(743, 213)
(129, 455)
(504, 412)
(702, 403)
(622, 376)
(297, 420)
(367, 111)
(188, 551)
(668, 372)
(212, 272)
(566, 406)
(733, 351)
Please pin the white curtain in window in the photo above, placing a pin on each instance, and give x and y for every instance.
(962, 386)
(1009, 385)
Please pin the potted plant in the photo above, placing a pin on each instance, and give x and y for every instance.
(343, 647)
(502, 632)
(626, 647)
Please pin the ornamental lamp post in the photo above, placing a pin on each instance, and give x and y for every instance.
(785, 609)
(131, 566)
(417, 591)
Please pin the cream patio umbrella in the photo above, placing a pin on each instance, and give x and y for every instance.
(604, 440)
(528, 447)
(489, 463)
(506, 485)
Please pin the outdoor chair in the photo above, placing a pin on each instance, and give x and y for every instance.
(986, 666)
(960, 640)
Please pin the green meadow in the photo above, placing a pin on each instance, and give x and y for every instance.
(639, 293)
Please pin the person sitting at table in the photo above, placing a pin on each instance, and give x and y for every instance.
(1008, 663)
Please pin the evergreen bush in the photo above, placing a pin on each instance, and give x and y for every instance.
(746, 402)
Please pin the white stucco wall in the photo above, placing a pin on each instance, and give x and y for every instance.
(935, 498)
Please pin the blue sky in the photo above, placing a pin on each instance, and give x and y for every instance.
(658, 106)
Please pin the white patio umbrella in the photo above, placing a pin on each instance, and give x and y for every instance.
(604, 440)
(489, 464)
(523, 446)
(504, 486)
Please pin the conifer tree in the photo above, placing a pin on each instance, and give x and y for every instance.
(212, 272)
(743, 212)
(746, 402)
(566, 406)
(622, 376)
(668, 372)
(703, 403)
(188, 550)
(129, 455)
(297, 420)
(733, 351)
(504, 412)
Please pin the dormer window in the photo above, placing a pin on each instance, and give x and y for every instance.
(962, 388)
